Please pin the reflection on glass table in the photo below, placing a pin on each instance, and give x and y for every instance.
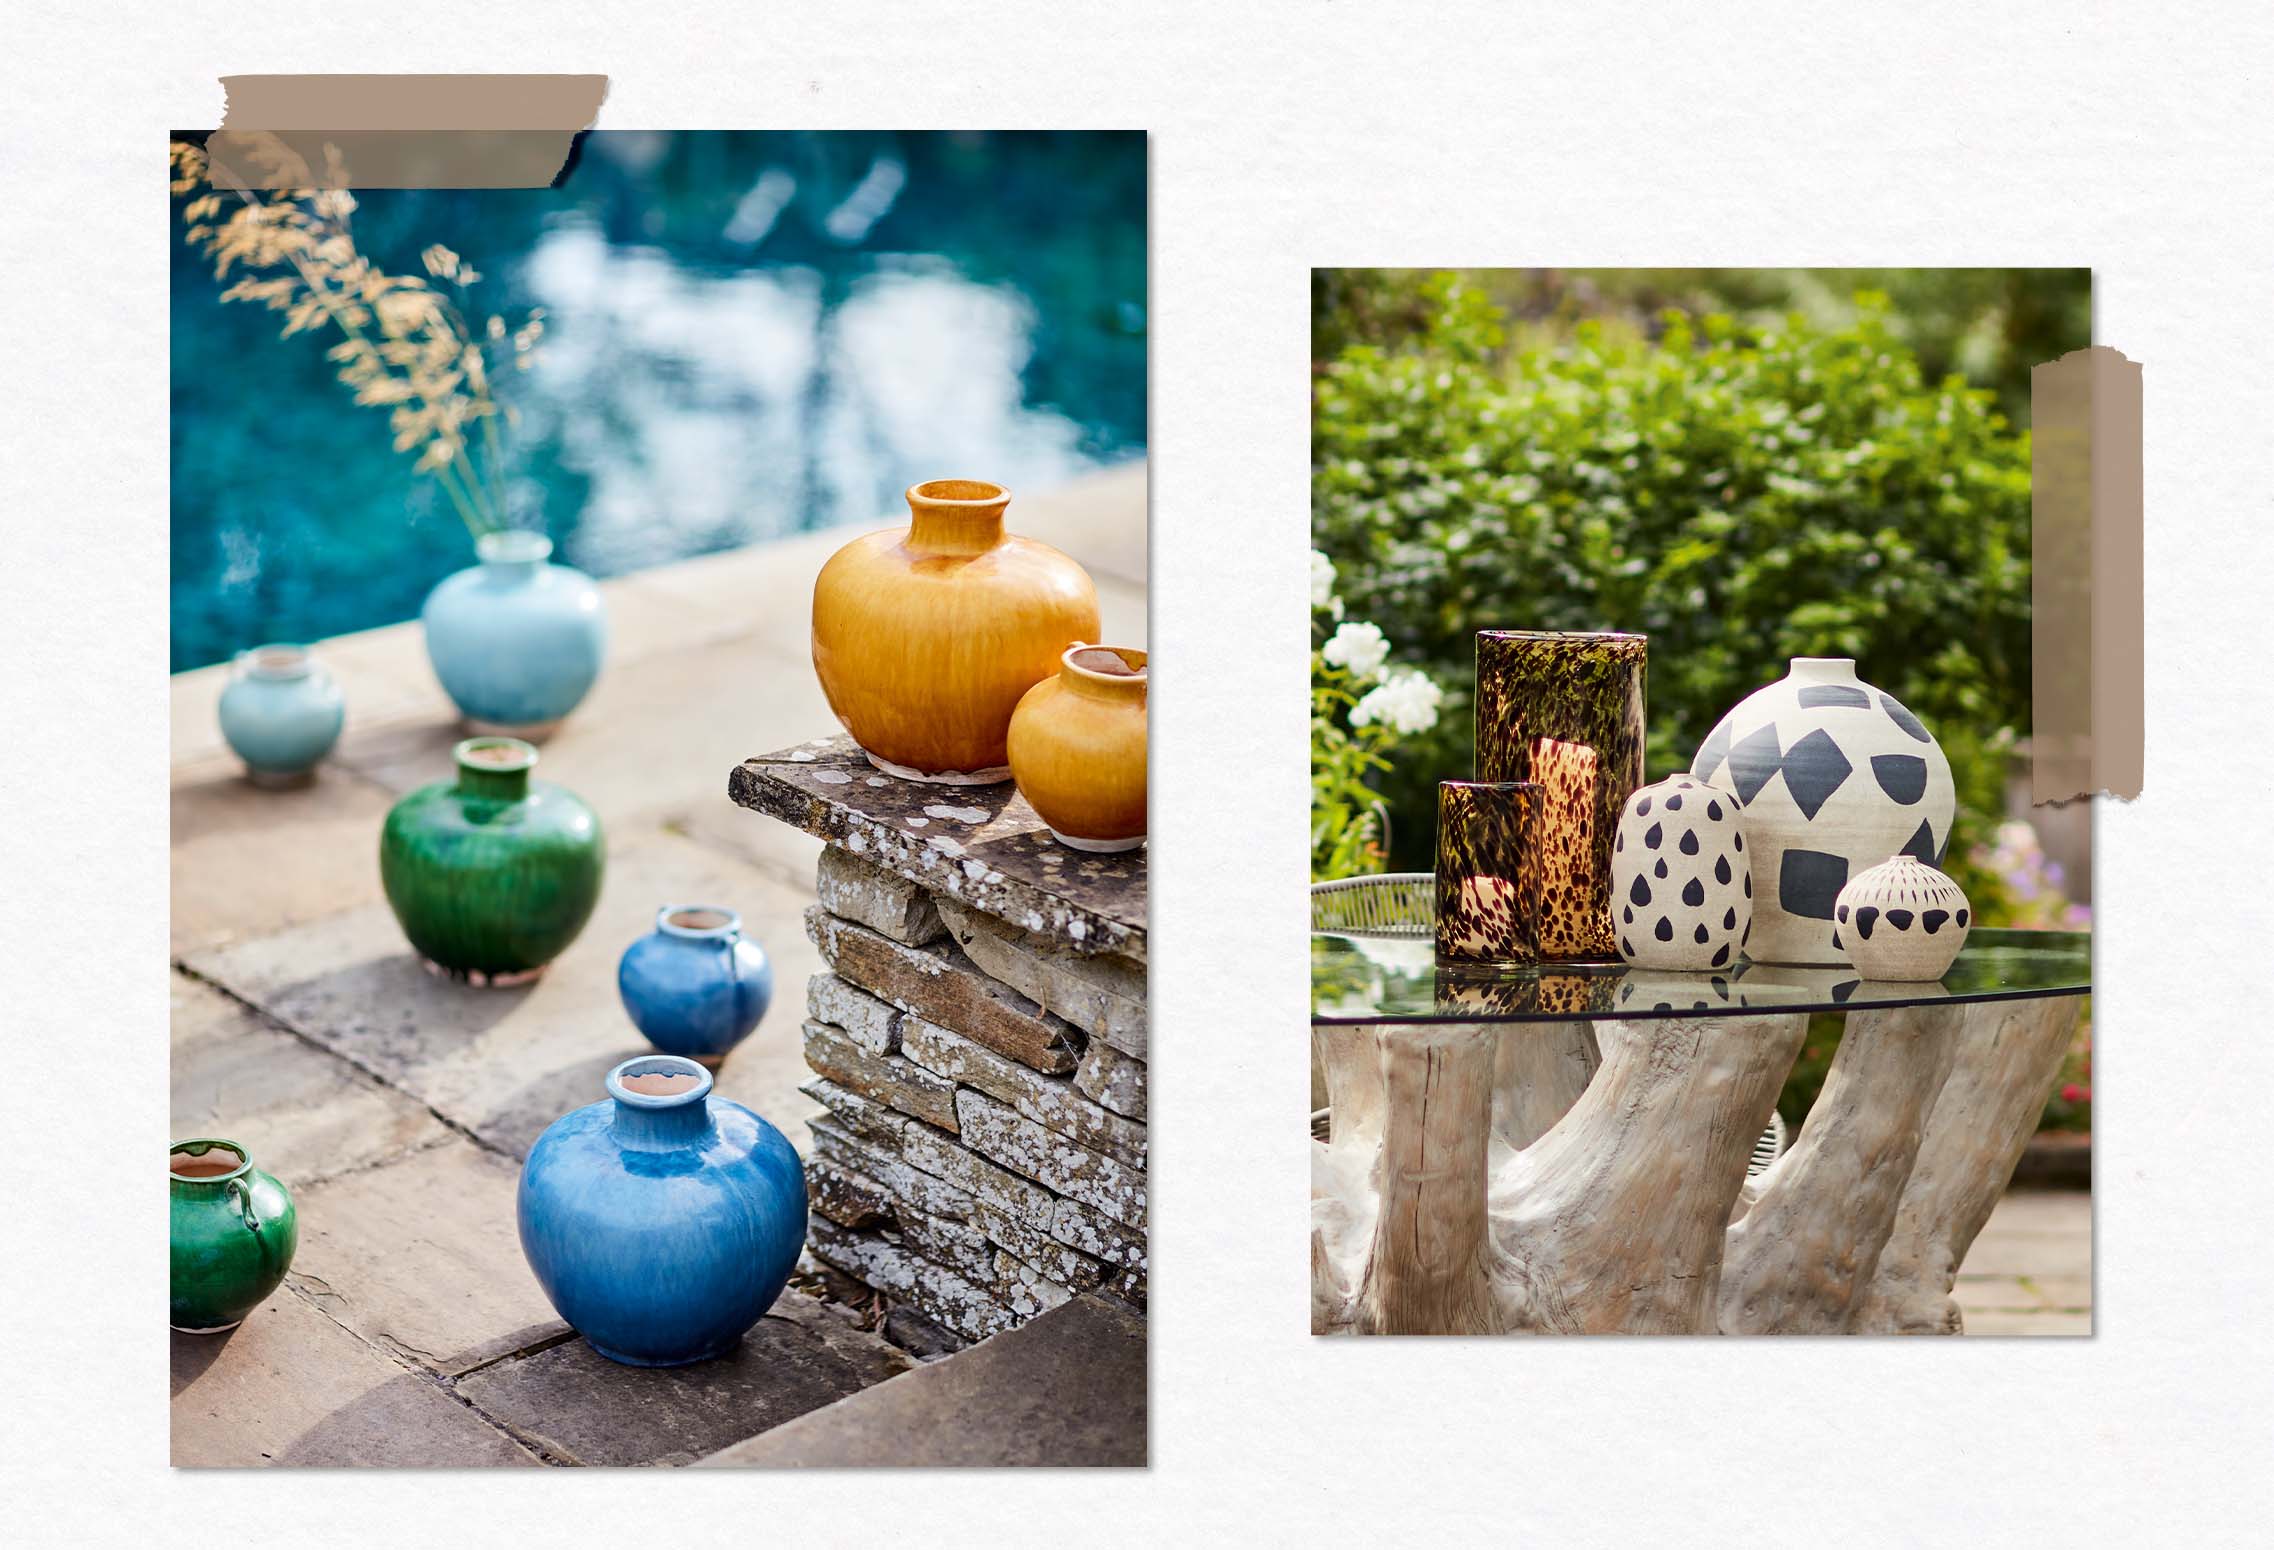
(1565, 1148)
(1367, 978)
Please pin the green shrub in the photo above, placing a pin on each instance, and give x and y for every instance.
(1742, 494)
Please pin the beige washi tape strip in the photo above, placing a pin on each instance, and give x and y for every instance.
(2087, 614)
(400, 131)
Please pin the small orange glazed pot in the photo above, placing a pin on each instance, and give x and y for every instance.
(1078, 748)
(925, 639)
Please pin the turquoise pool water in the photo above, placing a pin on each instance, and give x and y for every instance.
(748, 335)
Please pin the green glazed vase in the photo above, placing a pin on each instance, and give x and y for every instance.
(233, 1235)
(493, 875)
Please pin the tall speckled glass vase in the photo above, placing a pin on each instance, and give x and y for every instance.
(1486, 890)
(1563, 710)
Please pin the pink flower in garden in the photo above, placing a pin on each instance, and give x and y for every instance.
(2073, 1093)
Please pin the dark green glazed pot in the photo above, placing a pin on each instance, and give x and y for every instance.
(493, 875)
(233, 1232)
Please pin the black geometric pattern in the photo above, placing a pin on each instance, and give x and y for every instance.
(1813, 770)
(1845, 696)
(1904, 719)
(1921, 845)
(1754, 762)
(1902, 776)
(1810, 882)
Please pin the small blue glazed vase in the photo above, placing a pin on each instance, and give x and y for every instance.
(664, 1222)
(282, 712)
(695, 985)
(516, 641)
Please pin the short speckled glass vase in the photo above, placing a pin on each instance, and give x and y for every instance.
(1486, 895)
(1562, 710)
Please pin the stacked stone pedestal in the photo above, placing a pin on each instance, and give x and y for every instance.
(983, 1155)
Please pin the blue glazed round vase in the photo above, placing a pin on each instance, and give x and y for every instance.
(281, 713)
(517, 642)
(695, 985)
(662, 1222)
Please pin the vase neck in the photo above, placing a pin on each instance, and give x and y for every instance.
(513, 554)
(662, 1102)
(495, 768)
(276, 663)
(1824, 670)
(1114, 674)
(955, 517)
(204, 1167)
(702, 924)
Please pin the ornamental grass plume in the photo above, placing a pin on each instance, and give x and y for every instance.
(406, 343)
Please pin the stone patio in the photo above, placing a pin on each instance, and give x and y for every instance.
(397, 1107)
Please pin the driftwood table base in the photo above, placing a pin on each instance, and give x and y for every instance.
(1590, 1178)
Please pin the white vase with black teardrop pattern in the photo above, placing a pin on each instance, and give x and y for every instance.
(1901, 920)
(1681, 893)
(1831, 776)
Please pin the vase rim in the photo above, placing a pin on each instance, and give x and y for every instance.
(1491, 785)
(513, 546)
(1131, 657)
(962, 494)
(1822, 667)
(698, 922)
(198, 1146)
(661, 1066)
(495, 755)
(276, 661)
(1562, 635)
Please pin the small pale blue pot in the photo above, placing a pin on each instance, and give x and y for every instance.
(695, 985)
(281, 712)
(516, 642)
(662, 1222)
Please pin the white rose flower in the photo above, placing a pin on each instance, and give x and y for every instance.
(1361, 648)
(1322, 580)
(1406, 701)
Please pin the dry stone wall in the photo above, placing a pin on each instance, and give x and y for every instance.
(983, 1155)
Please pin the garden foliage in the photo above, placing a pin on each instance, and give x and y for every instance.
(1742, 494)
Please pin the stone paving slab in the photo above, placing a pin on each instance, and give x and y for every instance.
(248, 861)
(303, 1114)
(2029, 1271)
(423, 1258)
(289, 1386)
(1066, 1388)
(584, 1408)
(505, 1063)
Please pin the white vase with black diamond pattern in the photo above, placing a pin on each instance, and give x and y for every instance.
(1831, 776)
(1681, 895)
(1901, 920)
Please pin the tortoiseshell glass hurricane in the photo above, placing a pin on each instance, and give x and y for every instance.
(1486, 898)
(1563, 711)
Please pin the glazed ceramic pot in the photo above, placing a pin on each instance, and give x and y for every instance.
(281, 713)
(1680, 884)
(926, 639)
(491, 875)
(662, 1221)
(1077, 748)
(1831, 776)
(233, 1231)
(1564, 711)
(516, 641)
(1901, 920)
(695, 985)
(1487, 893)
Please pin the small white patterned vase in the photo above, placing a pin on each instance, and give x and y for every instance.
(1901, 920)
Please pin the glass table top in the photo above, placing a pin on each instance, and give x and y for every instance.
(1360, 978)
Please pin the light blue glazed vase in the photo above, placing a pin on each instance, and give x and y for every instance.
(663, 1222)
(516, 641)
(281, 712)
(695, 985)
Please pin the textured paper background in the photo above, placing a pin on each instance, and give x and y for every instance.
(1284, 135)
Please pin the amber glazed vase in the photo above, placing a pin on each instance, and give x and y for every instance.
(1487, 883)
(1077, 746)
(925, 640)
(1563, 710)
